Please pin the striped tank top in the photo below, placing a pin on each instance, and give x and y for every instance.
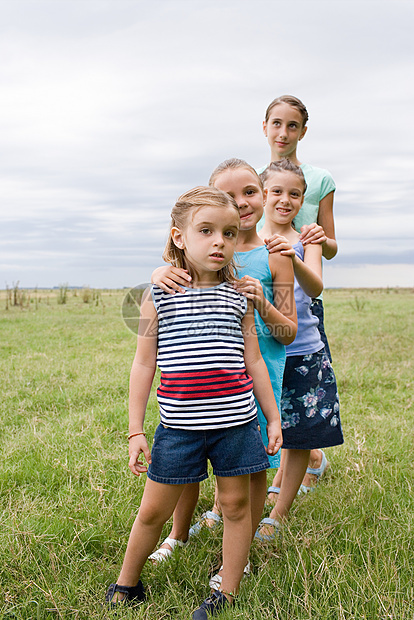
(204, 383)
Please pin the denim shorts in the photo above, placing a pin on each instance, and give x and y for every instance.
(180, 456)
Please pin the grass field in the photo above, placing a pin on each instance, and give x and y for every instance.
(68, 499)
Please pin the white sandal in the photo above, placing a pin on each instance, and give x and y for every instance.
(162, 554)
(215, 581)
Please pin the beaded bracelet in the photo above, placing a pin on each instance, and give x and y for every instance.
(134, 435)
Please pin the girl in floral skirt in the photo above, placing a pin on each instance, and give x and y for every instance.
(309, 405)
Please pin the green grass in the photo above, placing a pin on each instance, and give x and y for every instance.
(68, 499)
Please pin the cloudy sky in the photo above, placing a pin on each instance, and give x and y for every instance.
(110, 109)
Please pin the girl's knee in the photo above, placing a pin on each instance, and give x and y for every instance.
(148, 517)
(151, 514)
(234, 496)
(235, 507)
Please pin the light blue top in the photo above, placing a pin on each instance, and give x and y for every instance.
(308, 339)
(255, 263)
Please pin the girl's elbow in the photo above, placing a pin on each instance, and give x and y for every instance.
(330, 255)
(253, 365)
(144, 365)
(315, 288)
(318, 290)
(289, 334)
(330, 251)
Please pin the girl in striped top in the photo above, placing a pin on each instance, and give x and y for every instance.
(266, 279)
(205, 344)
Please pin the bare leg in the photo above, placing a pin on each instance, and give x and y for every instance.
(183, 513)
(315, 461)
(157, 505)
(258, 486)
(296, 462)
(216, 507)
(277, 480)
(234, 497)
(185, 509)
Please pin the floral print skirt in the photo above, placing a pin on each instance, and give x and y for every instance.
(309, 404)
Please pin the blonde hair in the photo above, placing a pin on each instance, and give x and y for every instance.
(292, 101)
(233, 164)
(187, 206)
(284, 165)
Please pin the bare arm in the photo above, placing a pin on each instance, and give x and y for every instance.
(283, 292)
(141, 377)
(279, 317)
(281, 328)
(326, 220)
(309, 271)
(262, 387)
(323, 231)
(170, 279)
(284, 297)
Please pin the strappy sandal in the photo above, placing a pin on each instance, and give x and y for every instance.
(133, 594)
(273, 490)
(318, 471)
(162, 554)
(276, 491)
(268, 537)
(202, 522)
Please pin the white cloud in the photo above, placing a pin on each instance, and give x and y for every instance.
(368, 276)
(109, 111)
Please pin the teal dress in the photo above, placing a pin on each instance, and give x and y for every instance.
(255, 263)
